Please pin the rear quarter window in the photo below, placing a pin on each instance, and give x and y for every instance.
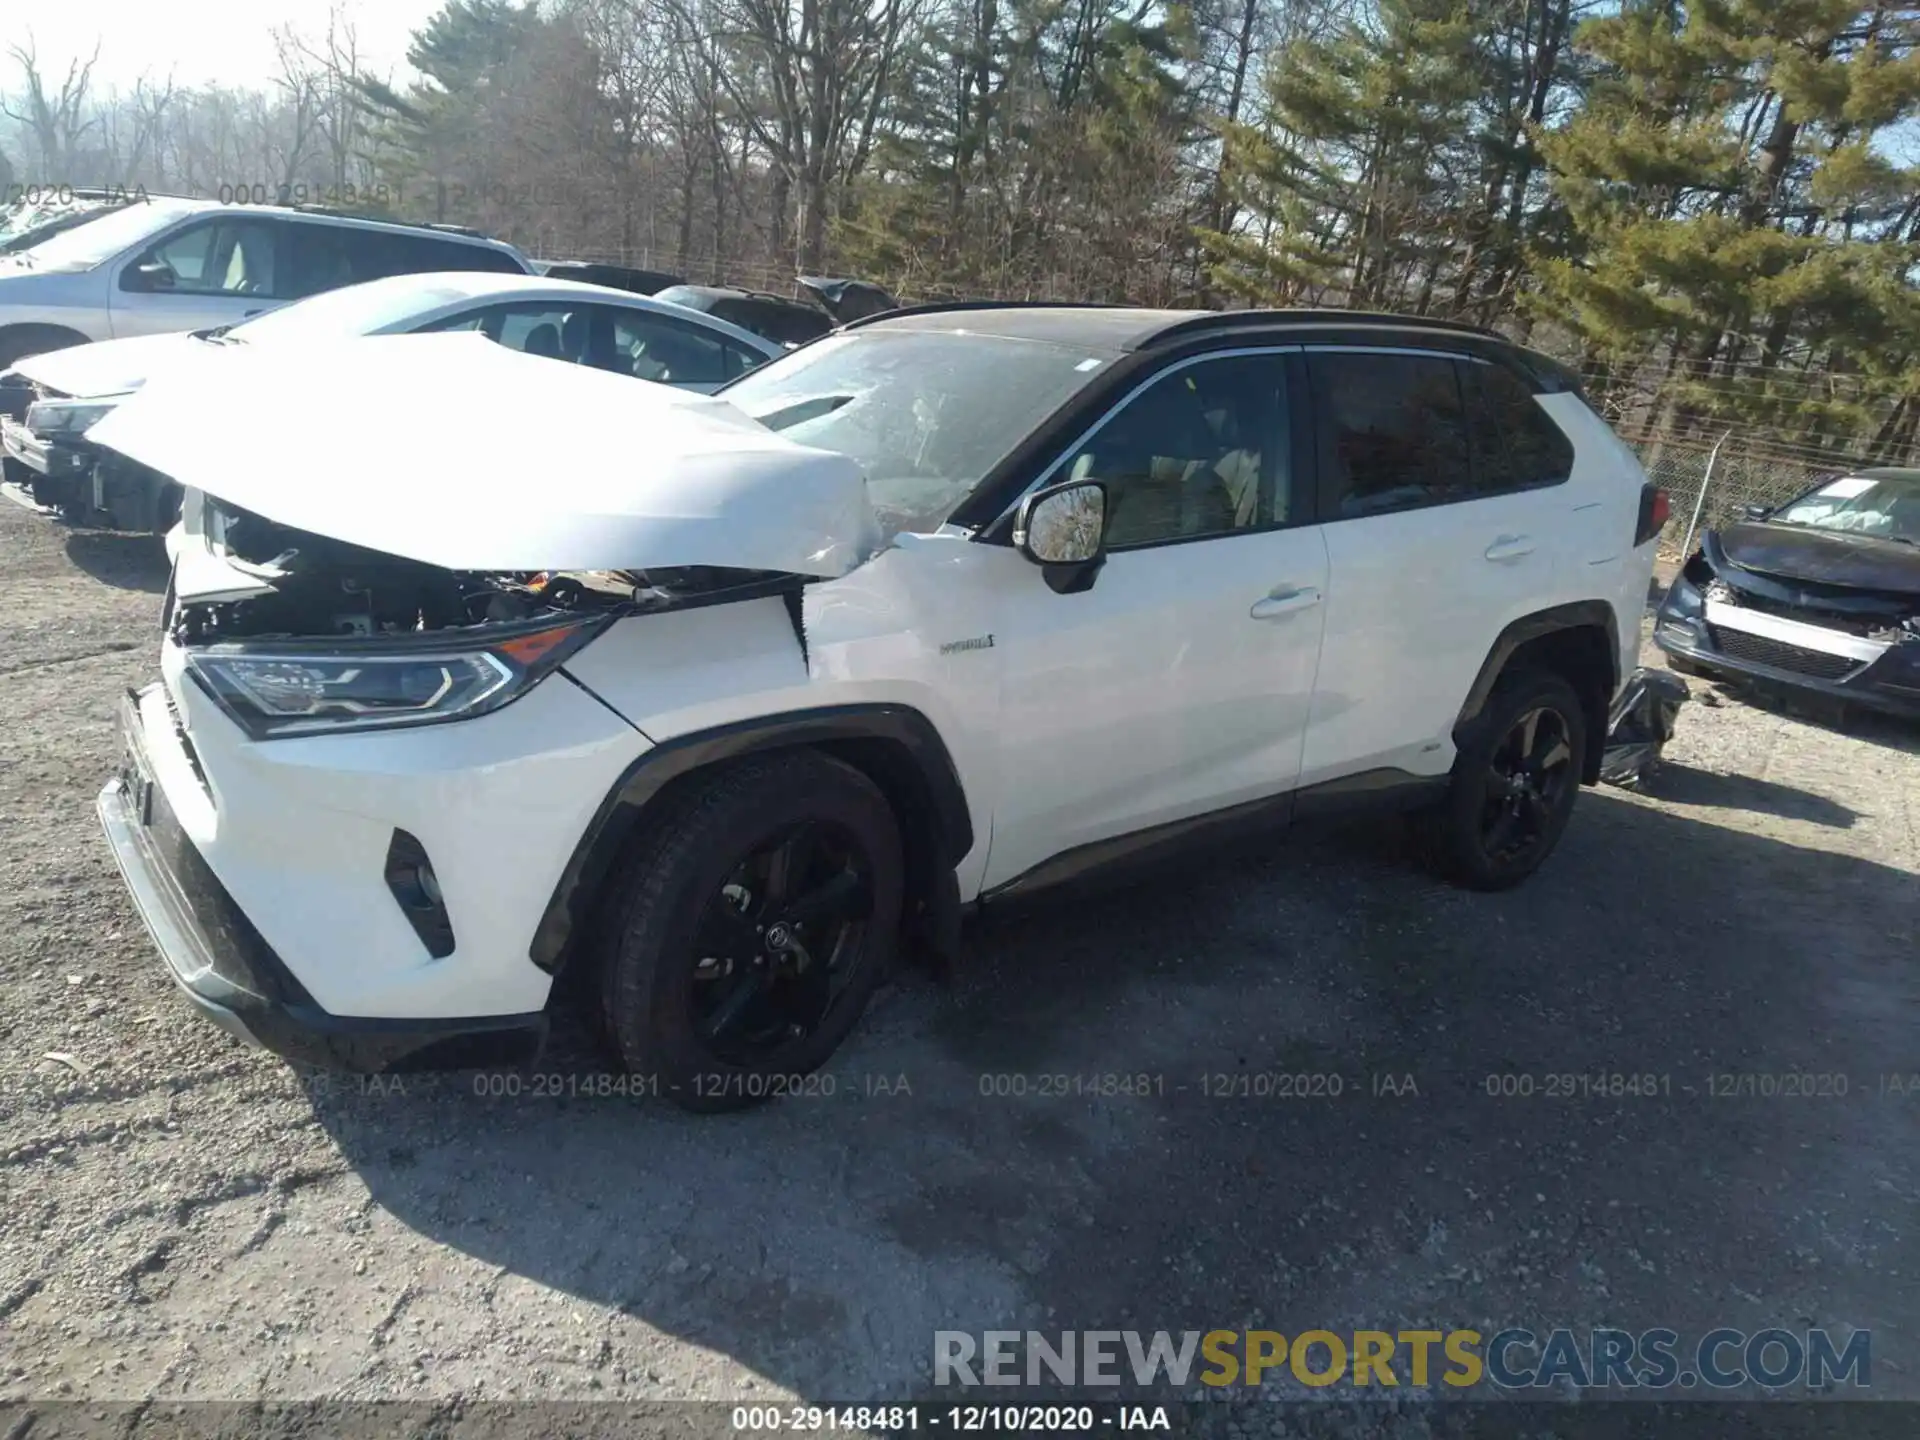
(1516, 444)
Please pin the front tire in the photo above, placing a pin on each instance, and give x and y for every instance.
(1513, 785)
(751, 922)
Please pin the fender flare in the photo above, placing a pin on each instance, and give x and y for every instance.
(949, 817)
(1578, 615)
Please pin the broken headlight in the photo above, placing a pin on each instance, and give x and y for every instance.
(68, 417)
(281, 689)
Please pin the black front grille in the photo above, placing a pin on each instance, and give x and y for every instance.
(1760, 650)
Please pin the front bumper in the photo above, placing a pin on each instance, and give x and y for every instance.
(1791, 657)
(48, 456)
(229, 973)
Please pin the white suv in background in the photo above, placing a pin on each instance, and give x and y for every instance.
(711, 713)
(166, 263)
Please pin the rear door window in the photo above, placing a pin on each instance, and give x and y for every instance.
(1393, 432)
(379, 253)
(653, 347)
(574, 333)
(323, 257)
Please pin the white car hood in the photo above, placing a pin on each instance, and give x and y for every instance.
(110, 367)
(455, 451)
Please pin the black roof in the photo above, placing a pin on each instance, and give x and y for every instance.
(1119, 328)
(733, 292)
(1122, 327)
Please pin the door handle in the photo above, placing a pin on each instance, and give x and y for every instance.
(250, 314)
(1510, 547)
(1285, 602)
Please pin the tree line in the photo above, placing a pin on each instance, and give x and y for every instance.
(1712, 208)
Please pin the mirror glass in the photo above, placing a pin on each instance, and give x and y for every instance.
(1064, 528)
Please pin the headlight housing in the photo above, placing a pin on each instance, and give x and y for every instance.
(69, 417)
(286, 689)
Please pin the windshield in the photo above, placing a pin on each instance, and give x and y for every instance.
(22, 218)
(86, 246)
(355, 310)
(1883, 507)
(927, 413)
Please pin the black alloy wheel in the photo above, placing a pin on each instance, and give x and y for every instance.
(1515, 778)
(1531, 772)
(779, 944)
(750, 920)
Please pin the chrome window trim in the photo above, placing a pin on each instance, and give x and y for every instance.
(1045, 477)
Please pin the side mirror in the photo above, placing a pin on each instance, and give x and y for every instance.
(148, 275)
(1061, 529)
(1756, 512)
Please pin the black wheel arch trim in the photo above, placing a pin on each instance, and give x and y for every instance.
(1578, 615)
(642, 782)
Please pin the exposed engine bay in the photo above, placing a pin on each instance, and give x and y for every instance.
(311, 586)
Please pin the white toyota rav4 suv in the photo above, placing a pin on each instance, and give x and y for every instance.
(713, 714)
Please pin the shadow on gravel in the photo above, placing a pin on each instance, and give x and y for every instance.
(127, 562)
(1683, 785)
(1308, 1089)
(1852, 721)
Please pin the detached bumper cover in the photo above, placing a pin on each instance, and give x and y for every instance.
(1841, 667)
(231, 976)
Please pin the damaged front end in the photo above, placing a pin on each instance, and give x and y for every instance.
(294, 633)
(1859, 643)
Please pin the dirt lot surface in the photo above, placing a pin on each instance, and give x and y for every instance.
(188, 1218)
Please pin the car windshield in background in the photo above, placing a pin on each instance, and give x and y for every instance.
(1887, 508)
(356, 310)
(927, 413)
(23, 218)
(86, 246)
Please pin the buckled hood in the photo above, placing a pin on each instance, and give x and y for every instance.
(1822, 557)
(108, 367)
(455, 451)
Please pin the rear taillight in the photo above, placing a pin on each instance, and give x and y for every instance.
(1654, 510)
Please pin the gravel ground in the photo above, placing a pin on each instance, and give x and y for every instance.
(186, 1218)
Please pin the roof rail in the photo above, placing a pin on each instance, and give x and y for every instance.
(935, 307)
(342, 212)
(1239, 319)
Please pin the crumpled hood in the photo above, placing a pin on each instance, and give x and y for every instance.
(1822, 557)
(109, 367)
(455, 451)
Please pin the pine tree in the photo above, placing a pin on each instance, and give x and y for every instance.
(1737, 213)
(1388, 156)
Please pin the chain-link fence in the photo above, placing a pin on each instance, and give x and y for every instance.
(1712, 485)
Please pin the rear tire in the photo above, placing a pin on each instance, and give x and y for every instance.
(1513, 786)
(748, 926)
